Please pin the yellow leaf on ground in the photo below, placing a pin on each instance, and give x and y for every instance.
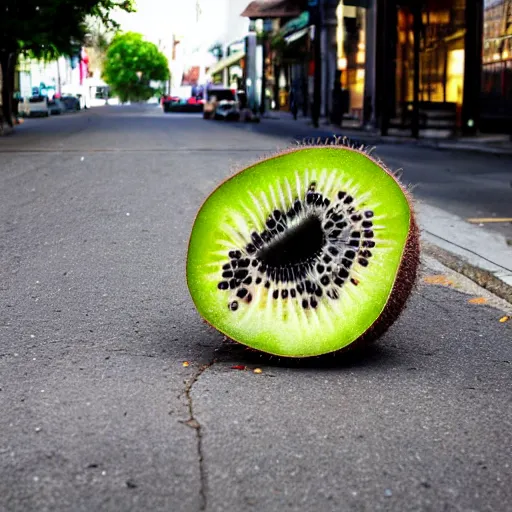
(504, 319)
(438, 279)
(185, 364)
(478, 300)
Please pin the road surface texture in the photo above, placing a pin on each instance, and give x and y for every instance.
(98, 410)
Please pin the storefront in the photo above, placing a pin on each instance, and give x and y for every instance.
(496, 99)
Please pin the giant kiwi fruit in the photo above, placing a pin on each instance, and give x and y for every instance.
(304, 253)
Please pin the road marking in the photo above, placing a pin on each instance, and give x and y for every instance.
(485, 220)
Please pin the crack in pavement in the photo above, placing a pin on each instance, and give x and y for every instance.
(193, 423)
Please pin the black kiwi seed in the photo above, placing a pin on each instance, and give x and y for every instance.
(242, 293)
(233, 305)
(363, 262)
(319, 292)
(297, 206)
(275, 294)
(255, 263)
(235, 254)
(267, 284)
(284, 294)
(258, 280)
(223, 285)
(241, 274)
(248, 298)
(343, 273)
(366, 253)
(227, 266)
(265, 236)
(300, 288)
(369, 243)
(341, 225)
(356, 217)
(368, 214)
(346, 263)
(341, 194)
(350, 254)
(310, 198)
(333, 251)
(313, 302)
(367, 224)
(354, 243)
(329, 268)
(348, 200)
(335, 233)
(355, 234)
(327, 258)
(309, 286)
(263, 267)
(351, 210)
(368, 234)
(333, 294)
(250, 248)
(271, 223)
(319, 199)
(338, 281)
(280, 228)
(325, 280)
(326, 202)
(232, 284)
(227, 273)
(293, 293)
(256, 239)
(320, 268)
(248, 280)
(244, 263)
(337, 217)
(329, 224)
(277, 214)
(305, 303)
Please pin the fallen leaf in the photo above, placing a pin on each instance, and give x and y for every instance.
(185, 363)
(504, 319)
(438, 279)
(238, 367)
(258, 370)
(478, 300)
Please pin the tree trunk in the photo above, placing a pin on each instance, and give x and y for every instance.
(7, 63)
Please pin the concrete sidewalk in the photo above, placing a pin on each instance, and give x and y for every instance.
(499, 144)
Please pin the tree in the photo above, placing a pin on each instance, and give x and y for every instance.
(131, 64)
(45, 28)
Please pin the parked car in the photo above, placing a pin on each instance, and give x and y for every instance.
(56, 107)
(221, 103)
(34, 106)
(71, 103)
(185, 104)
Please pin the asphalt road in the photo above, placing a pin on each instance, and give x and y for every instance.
(97, 409)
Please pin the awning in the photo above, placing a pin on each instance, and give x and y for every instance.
(298, 23)
(226, 62)
(271, 9)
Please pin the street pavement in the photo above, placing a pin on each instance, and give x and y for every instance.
(114, 395)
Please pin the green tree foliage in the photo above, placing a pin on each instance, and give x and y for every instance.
(46, 28)
(130, 64)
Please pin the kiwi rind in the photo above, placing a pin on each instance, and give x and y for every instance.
(407, 269)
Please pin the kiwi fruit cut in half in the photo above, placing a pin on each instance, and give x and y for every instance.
(304, 253)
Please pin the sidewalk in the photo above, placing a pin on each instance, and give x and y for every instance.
(500, 144)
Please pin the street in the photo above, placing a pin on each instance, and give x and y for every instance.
(114, 395)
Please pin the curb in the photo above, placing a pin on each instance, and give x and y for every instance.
(481, 277)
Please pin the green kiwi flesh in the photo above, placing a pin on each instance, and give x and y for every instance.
(304, 253)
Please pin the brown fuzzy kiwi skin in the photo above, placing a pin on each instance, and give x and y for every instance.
(405, 278)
